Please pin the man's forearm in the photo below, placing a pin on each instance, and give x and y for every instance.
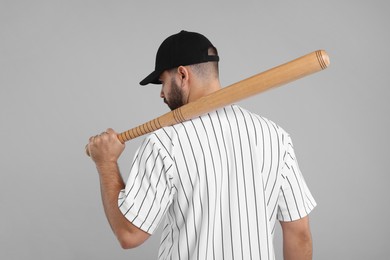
(298, 249)
(297, 241)
(111, 184)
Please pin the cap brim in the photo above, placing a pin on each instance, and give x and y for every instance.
(152, 78)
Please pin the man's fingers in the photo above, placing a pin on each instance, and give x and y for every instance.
(110, 131)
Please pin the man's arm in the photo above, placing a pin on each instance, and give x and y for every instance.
(105, 150)
(297, 242)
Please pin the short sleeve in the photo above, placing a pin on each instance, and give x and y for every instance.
(148, 191)
(295, 199)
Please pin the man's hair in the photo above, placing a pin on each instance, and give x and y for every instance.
(207, 70)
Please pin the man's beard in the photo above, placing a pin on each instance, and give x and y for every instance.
(175, 96)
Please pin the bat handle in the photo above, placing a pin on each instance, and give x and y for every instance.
(145, 128)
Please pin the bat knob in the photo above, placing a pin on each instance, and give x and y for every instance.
(87, 150)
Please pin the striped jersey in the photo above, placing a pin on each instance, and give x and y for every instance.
(220, 182)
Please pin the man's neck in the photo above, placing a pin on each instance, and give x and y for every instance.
(199, 91)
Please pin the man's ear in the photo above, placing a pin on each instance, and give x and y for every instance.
(183, 74)
(184, 78)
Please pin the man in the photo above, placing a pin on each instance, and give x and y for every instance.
(221, 181)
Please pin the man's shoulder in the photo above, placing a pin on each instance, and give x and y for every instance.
(222, 117)
(164, 134)
(236, 112)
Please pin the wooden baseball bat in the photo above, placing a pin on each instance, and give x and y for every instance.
(277, 76)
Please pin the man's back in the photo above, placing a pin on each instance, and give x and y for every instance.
(222, 180)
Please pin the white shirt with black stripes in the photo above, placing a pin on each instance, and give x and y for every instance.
(221, 182)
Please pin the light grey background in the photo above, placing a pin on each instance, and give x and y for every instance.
(70, 69)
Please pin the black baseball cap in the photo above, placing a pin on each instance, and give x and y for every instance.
(181, 49)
